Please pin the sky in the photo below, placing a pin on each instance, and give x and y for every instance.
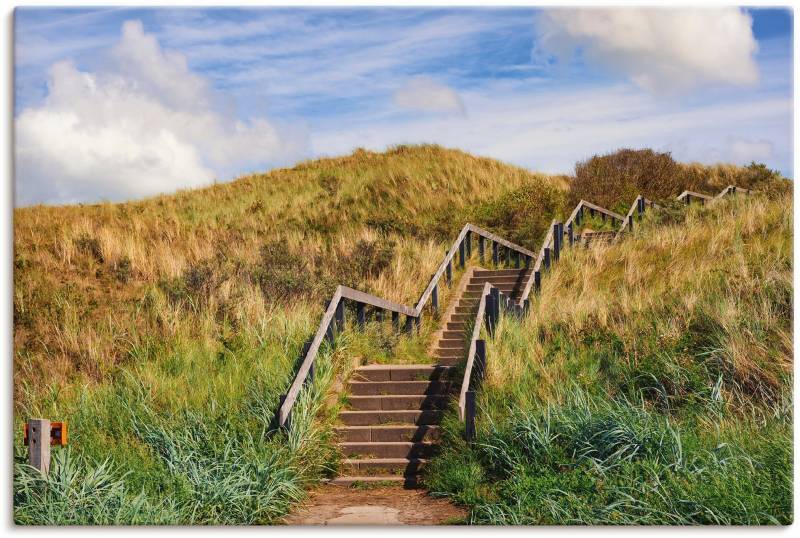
(123, 103)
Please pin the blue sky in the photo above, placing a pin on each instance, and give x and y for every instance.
(124, 103)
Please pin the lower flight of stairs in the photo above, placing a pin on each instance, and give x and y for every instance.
(391, 427)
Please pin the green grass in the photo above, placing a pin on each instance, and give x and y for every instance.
(650, 385)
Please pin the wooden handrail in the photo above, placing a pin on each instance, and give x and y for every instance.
(344, 292)
(476, 332)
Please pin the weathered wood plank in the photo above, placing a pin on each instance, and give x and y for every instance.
(476, 332)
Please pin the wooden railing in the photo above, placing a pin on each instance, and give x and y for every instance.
(492, 301)
(334, 317)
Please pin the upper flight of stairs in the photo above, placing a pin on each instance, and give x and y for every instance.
(391, 428)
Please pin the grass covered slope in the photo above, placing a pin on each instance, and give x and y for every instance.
(650, 385)
(165, 330)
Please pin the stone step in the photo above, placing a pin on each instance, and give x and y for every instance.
(407, 417)
(383, 466)
(376, 388)
(399, 402)
(408, 482)
(388, 450)
(375, 434)
(397, 372)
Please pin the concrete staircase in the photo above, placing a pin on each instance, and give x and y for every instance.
(391, 428)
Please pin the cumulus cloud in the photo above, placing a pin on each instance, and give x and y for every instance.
(658, 49)
(141, 125)
(425, 94)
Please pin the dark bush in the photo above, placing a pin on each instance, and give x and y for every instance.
(123, 269)
(91, 246)
(616, 179)
(281, 273)
(367, 260)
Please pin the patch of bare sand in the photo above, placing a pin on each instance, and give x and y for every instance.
(386, 505)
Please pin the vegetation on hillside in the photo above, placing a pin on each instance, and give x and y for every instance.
(651, 383)
(167, 328)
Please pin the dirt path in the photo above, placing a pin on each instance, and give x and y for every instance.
(391, 505)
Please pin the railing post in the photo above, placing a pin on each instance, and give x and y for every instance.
(508, 257)
(448, 274)
(489, 314)
(461, 254)
(360, 318)
(527, 261)
(571, 235)
(481, 248)
(630, 222)
(591, 212)
(496, 304)
(480, 358)
(546, 258)
(329, 336)
(409, 324)
(379, 315)
(396, 320)
(435, 298)
(495, 254)
(526, 306)
(537, 282)
(603, 217)
(340, 315)
(287, 423)
(468, 240)
(556, 241)
(640, 206)
(39, 444)
(469, 416)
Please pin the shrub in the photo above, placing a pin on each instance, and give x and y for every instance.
(282, 274)
(615, 179)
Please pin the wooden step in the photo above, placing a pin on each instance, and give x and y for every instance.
(452, 335)
(411, 481)
(388, 450)
(497, 280)
(375, 388)
(396, 372)
(398, 402)
(390, 433)
(501, 272)
(459, 326)
(371, 418)
(452, 343)
(383, 466)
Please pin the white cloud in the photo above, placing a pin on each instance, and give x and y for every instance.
(658, 49)
(743, 151)
(144, 124)
(427, 95)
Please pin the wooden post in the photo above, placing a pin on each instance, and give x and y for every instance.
(630, 223)
(579, 217)
(481, 248)
(508, 257)
(489, 314)
(591, 212)
(461, 254)
(340, 315)
(409, 324)
(537, 282)
(527, 261)
(495, 254)
(546, 258)
(39, 444)
(435, 298)
(448, 274)
(496, 304)
(640, 206)
(396, 320)
(360, 318)
(379, 315)
(571, 235)
(468, 240)
(603, 217)
(556, 241)
(526, 306)
(329, 336)
(469, 415)
(480, 358)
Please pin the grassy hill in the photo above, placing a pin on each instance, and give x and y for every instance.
(164, 330)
